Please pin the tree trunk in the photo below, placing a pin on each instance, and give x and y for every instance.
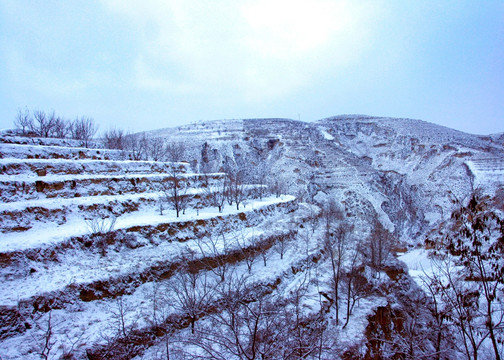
(492, 337)
(438, 340)
(348, 302)
(335, 279)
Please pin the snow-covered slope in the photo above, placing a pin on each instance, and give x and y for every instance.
(437, 163)
(59, 273)
(83, 227)
(404, 172)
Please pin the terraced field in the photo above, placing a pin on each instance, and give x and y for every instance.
(83, 237)
(96, 264)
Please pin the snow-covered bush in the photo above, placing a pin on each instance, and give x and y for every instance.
(101, 224)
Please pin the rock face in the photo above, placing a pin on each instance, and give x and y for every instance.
(404, 172)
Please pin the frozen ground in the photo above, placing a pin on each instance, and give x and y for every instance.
(400, 172)
(84, 267)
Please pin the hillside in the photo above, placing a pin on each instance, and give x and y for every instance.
(403, 171)
(97, 263)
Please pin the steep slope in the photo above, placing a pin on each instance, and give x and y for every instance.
(302, 159)
(438, 164)
(404, 172)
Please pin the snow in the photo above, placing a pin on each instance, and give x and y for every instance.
(92, 321)
(93, 267)
(422, 158)
(45, 162)
(58, 203)
(326, 135)
(80, 177)
(488, 172)
(23, 150)
(46, 234)
(418, 263)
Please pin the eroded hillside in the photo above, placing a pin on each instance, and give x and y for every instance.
(105, 257)
(404, 172)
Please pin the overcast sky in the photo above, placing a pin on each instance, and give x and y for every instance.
(149, 64)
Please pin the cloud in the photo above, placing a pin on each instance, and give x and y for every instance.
(255, 50)
(286, 28)
(57, 50)
(44, 80)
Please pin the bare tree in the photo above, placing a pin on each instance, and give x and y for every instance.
(51, 122)
(101, 222)
(45, 339)
(305, 336)
(123, 319)
(134, 144)
(119, 313)
(70, 343)
(237, 188)
(331, 213)
(277, 186)
(114, 138)
(213, 249)
(184, 197)
(162, 201)
(263, 250)
(282, 243)
(248, 327)
(215, 193)
(43, 124)
(355, 282)
(236, 175)
(228, 190)
(254, 323)
(52, 125)
(61, 128)
(191, 293)
(156, 149)
(176, 152)
(378, 246)
(84, 129)
(155, 314)
(175, 194)
(336, 244)
(23, 121)
(172, 188)
(244, 244)
(261, 173)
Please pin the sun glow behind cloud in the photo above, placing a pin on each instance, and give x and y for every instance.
(124, 60)
(258, 49)
(285, 28)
